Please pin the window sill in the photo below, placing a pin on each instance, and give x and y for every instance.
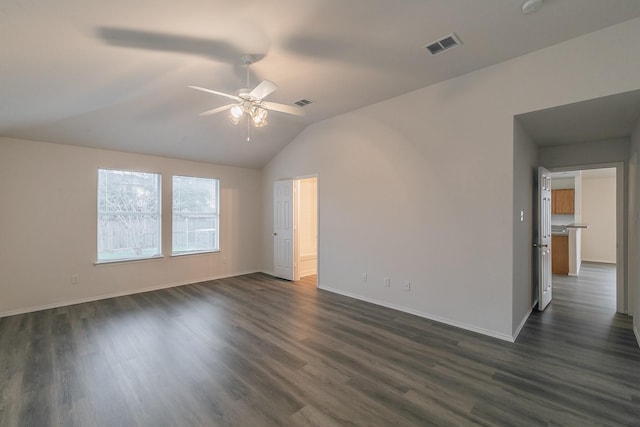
(128, 260)
(181, 254)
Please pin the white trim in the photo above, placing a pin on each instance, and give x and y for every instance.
(203, 252)
(296, 231)
(438, 319)
(521, 325)
(299, 177)
(158, 257)
(116, 294)
(599, 261)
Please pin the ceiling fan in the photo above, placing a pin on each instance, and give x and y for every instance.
(250, 103)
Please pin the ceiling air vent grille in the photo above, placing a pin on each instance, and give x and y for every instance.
(443, 44)
(303, 102)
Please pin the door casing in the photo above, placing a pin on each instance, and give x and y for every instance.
(623, 300)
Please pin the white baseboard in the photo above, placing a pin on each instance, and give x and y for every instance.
(599, 261)
(115, 294)
(521, 325)
(429, 316)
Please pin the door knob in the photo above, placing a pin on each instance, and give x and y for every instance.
(275, 234)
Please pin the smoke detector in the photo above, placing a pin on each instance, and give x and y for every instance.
(531, 6)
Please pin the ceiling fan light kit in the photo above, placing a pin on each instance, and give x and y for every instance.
(250, 103)
(259, 116)
(256, 113)
(235, 113)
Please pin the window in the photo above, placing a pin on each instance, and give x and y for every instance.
(128, 215)
(195, 215)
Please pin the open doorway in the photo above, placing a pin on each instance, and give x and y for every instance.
(295, 230)
(306, 231)
(586, 257)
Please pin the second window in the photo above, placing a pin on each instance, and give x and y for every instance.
(195, 215)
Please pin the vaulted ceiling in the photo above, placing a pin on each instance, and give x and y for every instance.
(114, 74)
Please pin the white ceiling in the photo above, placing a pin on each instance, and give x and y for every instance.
(599, 119)
(113, 74)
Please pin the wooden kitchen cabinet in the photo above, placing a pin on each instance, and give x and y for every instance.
(562, 201)
(559, 254)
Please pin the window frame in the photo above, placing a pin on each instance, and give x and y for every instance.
(215, 213)
(159, 254)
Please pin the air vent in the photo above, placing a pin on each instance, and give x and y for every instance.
(303, 102)
(443, 44)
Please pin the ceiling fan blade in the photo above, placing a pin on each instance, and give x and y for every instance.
(264, 89)
(219, 50)
(215, 92)
(282, 108)
(217, 110)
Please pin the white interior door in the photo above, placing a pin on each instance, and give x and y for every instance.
(283, 229)
(543, 239)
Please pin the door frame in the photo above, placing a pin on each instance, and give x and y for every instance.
(296, 245)
(623, 300)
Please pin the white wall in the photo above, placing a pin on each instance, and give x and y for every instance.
(599, 211)
(525, 175)
(575, 234)
(48, 226)
(577, 203)
(421, 187)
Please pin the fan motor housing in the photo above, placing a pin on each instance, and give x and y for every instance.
(244, 93)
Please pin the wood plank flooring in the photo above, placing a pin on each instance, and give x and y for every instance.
(258, 351)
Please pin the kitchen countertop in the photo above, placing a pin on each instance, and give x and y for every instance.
(563, 230)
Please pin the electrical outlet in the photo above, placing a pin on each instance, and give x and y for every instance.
(407, 286)
(364, 277)
(387, 282)
(75, 279)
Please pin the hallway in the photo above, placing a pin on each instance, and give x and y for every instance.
(579, 333)
(583, 308)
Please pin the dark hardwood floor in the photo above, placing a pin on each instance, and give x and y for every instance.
(257, 351)
(311, 281)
